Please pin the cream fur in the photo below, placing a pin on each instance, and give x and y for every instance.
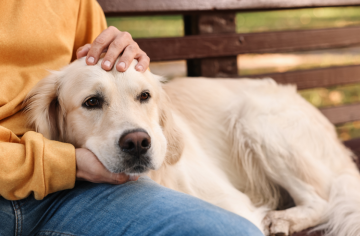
(232, 143)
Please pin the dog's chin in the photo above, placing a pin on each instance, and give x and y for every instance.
(137, 170)
(134, 170)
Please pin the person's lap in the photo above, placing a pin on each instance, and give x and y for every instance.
(135, 208)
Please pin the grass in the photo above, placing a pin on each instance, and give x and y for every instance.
(298, 19)
(337, 95)
(332, 96)
(149, 26)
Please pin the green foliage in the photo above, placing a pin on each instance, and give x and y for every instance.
(149, 26)
(337, 95)
(310, 18)
(332, 96)
(348, 130)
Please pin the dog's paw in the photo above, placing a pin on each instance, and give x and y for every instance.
(275, 224)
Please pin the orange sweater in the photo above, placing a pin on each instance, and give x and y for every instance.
(36, 36)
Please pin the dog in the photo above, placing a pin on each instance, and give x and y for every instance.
(232, 143)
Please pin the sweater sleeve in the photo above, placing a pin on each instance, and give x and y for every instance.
(34, 164)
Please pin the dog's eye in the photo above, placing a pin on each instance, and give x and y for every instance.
(92, 103)
(144, 96)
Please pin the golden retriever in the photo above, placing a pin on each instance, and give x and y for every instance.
(233, 143)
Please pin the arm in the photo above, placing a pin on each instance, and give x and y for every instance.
(34, 164)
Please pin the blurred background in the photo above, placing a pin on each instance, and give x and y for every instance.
(249, 64)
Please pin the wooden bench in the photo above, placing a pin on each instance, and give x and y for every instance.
(211, 45)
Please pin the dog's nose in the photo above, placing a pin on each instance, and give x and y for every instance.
(135, 143)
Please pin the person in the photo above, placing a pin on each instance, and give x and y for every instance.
(39, 194)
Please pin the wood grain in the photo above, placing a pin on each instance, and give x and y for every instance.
(342, 114)
(203, 46)
(307, 233)
(354, 145)
(314, 78)
(215, 23)
(136, 7)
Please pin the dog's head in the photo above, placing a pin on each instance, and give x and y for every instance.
(123, 118)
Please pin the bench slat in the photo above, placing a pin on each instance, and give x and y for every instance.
(203, 46)
(314, 78)
(136, 7)
(342, 114)
(307, 233)
(354, 145)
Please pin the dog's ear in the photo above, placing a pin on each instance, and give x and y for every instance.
(43, 109)
(173, 135)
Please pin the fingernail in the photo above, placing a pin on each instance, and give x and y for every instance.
(91, 59)
(107, 64)
(122, 65)
(140, 68)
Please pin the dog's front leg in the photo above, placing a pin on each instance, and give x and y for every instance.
(308, 211)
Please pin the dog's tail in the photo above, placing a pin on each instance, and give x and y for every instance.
(343, 215)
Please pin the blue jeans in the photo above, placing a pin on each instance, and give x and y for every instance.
(135, 208)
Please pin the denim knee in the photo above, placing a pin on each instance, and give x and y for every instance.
(211, 222)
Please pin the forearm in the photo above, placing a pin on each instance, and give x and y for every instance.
(34, 164)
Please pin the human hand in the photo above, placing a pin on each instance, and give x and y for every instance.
(89, 168)
(113, 42)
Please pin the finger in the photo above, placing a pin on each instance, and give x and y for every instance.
(133, 178)
(99, 174)
(82, 51)
(118, 178)
(100, 43)
(115, 48)
(130, 52)
(143, 62)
